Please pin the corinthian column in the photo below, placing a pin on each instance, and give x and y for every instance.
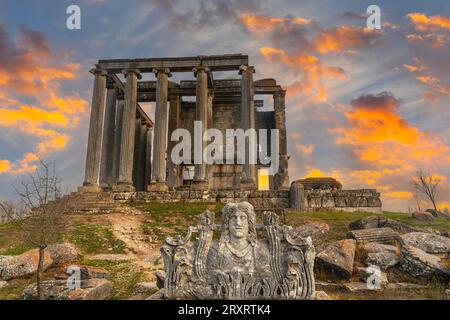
(93, 153)
(106, 169)
(160, 135)
(125, 182)
(117, 137)
(281, 179)
(248, 122)
(201, 114)
(174, 123)
(148, 156)
(141, 161)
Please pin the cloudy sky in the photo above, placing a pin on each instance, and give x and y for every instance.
(369, 107)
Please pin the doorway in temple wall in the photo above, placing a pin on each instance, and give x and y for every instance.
(263, 179)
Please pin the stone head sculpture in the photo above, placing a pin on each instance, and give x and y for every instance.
(238, 221)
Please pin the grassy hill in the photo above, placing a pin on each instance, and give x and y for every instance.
(95, 234)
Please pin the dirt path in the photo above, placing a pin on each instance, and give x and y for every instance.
(142, 252)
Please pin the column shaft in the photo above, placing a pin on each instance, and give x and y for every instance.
(160, 140)
(248, 120)
(148, 156)
(93, 153)
(174, 123)
(128, 130)
(137, 142)
(201, 114)
(210, 124)
(140, 172)
(281, 179)
(117, 138)
(106, 169)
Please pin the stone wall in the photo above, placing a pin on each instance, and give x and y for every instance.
(226, 116)
(269, 200)
(333, 199)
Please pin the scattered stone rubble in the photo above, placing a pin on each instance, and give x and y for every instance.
(94, 285)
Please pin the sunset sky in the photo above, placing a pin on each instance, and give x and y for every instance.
(368, 107)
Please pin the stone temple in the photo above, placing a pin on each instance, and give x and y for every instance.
(121, 154)
(128, 154)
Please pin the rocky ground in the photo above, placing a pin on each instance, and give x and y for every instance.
(118, 254)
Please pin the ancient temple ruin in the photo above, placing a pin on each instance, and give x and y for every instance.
(129, 154)
(121, 154)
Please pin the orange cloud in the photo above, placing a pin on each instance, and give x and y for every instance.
(313, 42)
(318, 173)
(423, 22)
(423, 74)
(442, 205)
(377, 134)
(427, 79)
(31, 116)
(262, 24)
(313, 69)
(366, 177)
(31, 71)
(309, 149)
(344, 37)
(412, 68)
(398, 194)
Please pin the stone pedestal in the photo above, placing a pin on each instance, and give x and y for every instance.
(158, 186)
(298, 197)
(89, 188)
(123, 187)
(200, 185)
(248, 184)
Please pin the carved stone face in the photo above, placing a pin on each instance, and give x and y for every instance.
(238, 225)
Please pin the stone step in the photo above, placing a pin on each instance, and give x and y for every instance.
(374, 235)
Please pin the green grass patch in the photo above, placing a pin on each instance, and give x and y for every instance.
(339, 220)
(91, 238)
(14, 250)
(433, 292)
(170, 219)
(15, 287)
(123, 275)
(440, 224)
(11, 238)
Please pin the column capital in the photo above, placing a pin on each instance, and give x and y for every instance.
(98, 71)
(200, 69)
(280, 93)
(162, 70)
(137, 72)
(245, 68)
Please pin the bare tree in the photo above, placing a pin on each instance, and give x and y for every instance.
(11, 211)
(417, 198)
(45, 223)
(427, 184)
